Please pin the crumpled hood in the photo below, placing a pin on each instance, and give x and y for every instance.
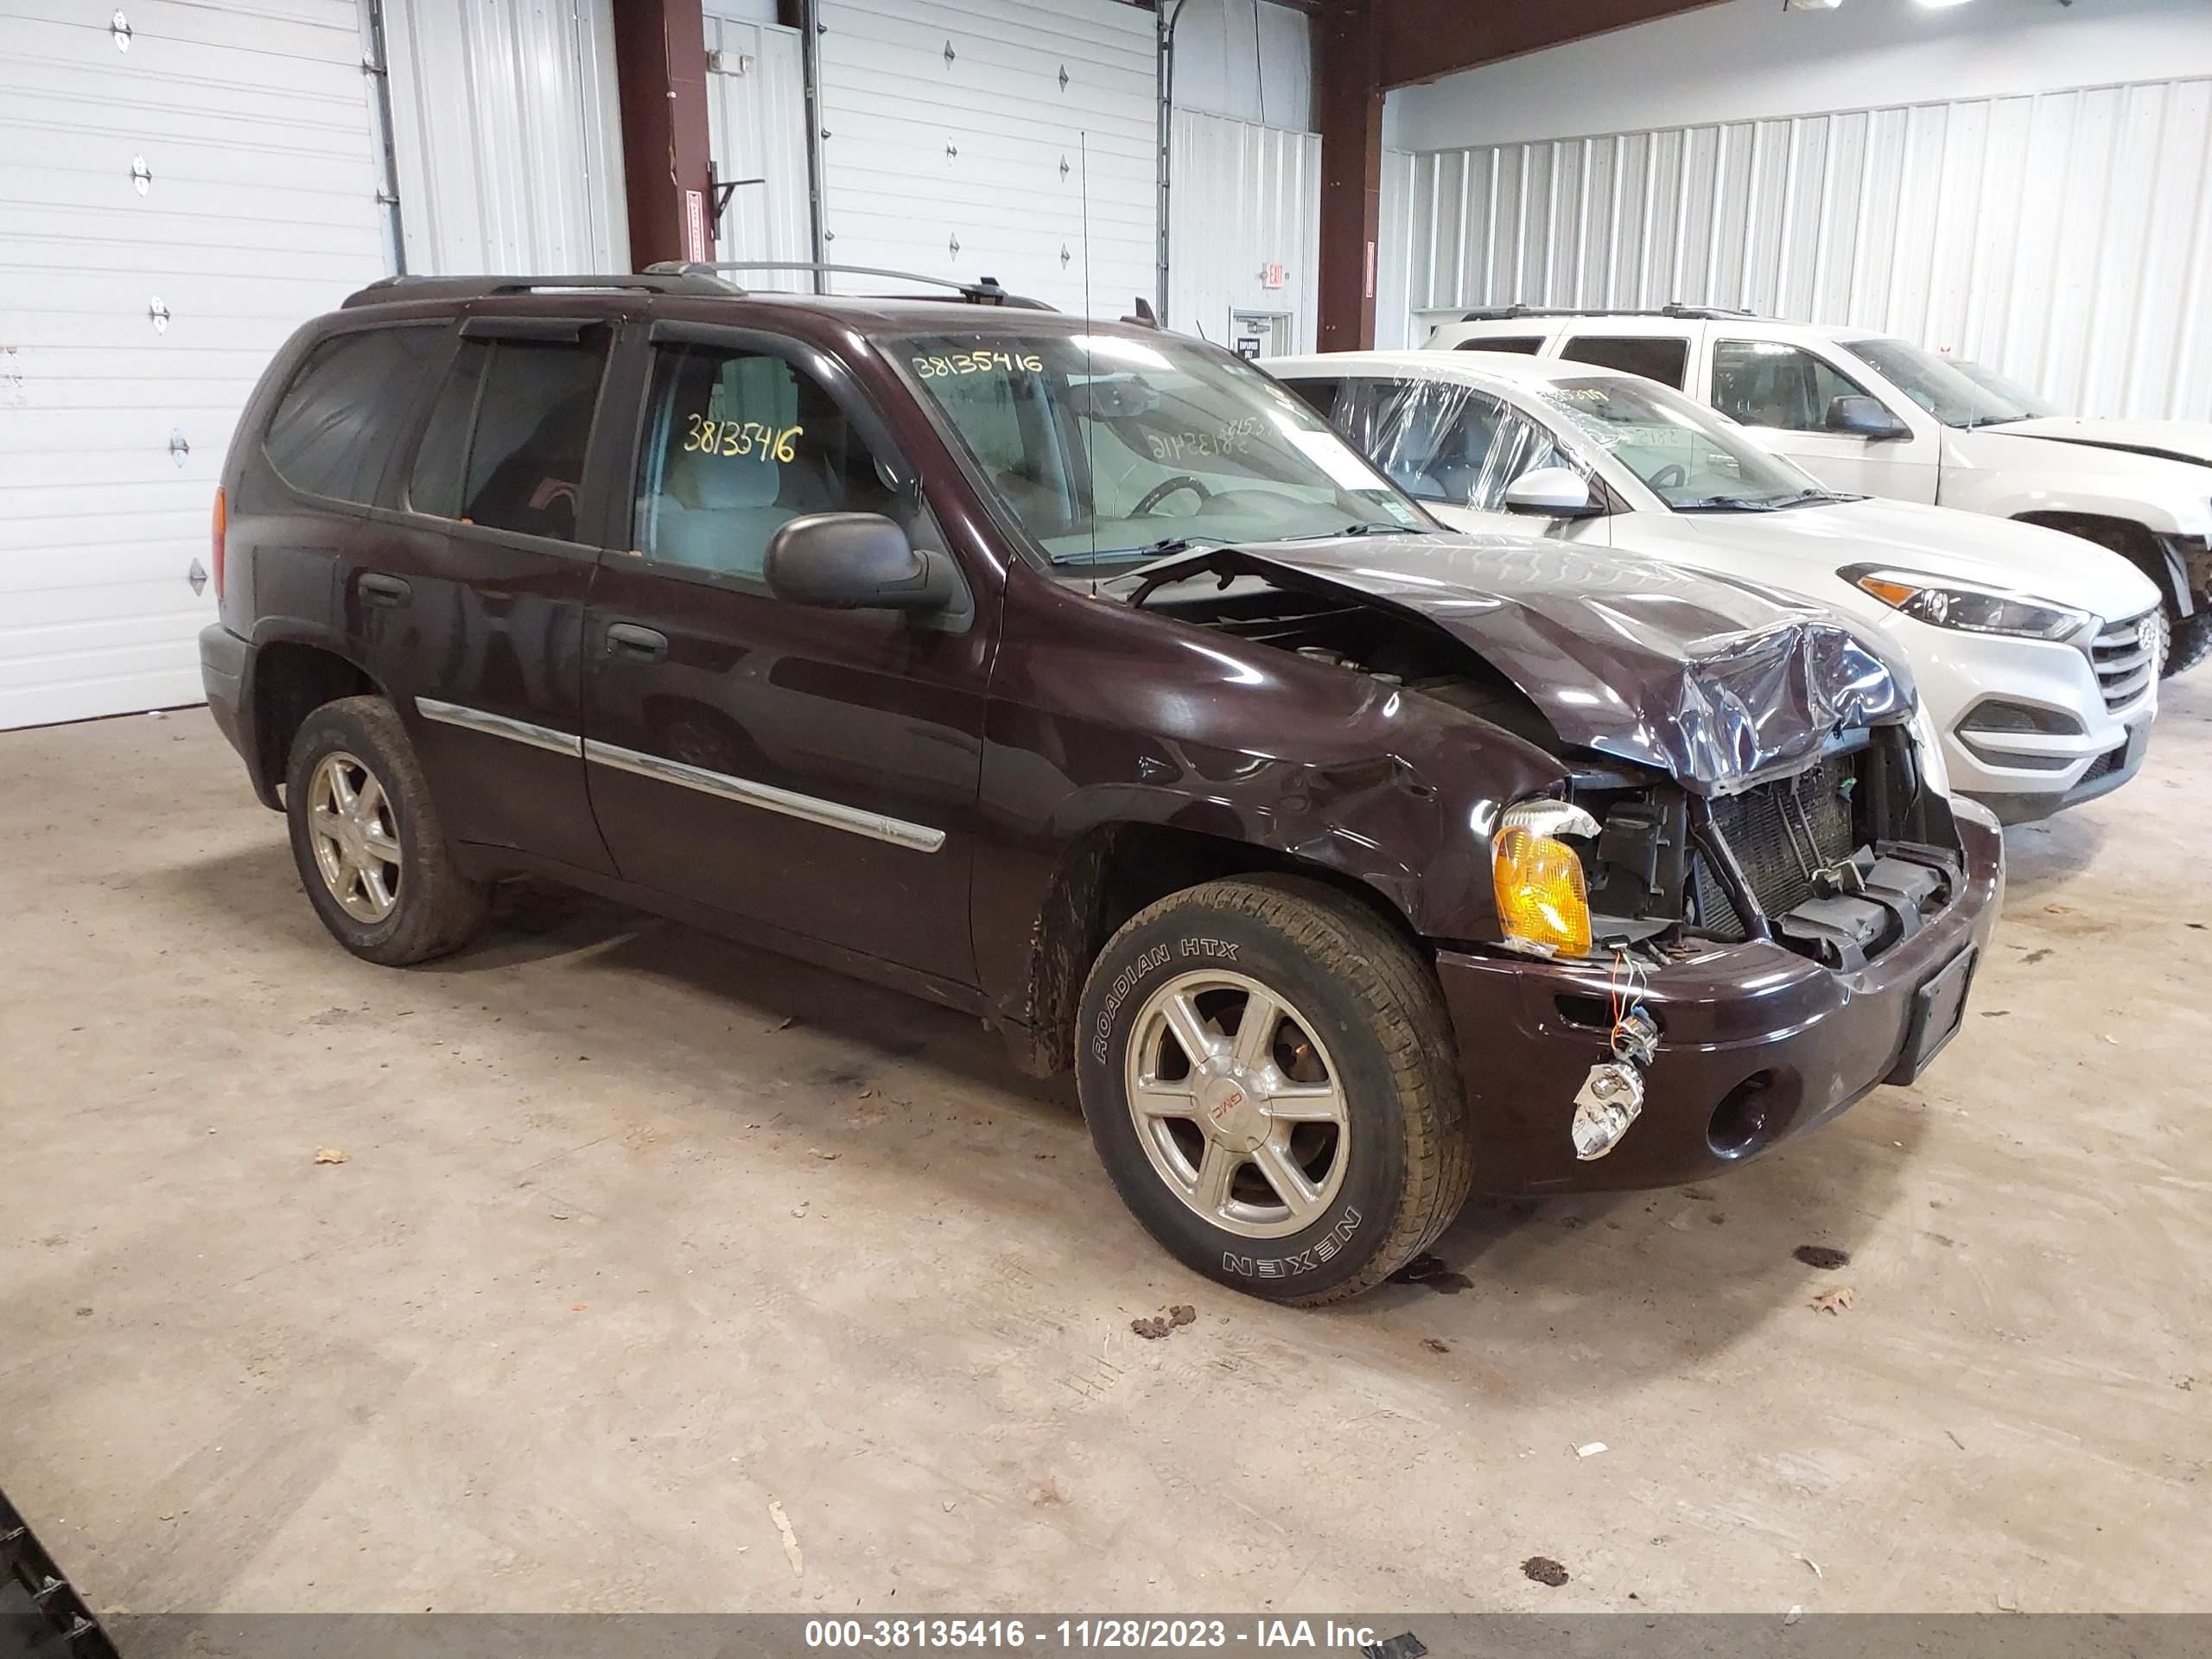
(1713, 681)
(2190, 440)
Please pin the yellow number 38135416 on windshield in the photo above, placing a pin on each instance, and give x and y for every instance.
(742, 438)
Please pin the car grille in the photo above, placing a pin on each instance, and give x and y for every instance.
(1781, 834)
(2122, 653)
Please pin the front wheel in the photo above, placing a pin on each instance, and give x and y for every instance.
(1268, 1072)
(2183, 641)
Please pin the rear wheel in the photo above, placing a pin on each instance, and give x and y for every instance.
(1268, 1072)
(367, 838)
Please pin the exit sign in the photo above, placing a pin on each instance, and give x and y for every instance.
(1273, 275)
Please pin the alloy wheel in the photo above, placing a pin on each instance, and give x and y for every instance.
(355, 837)
(1238, 1103)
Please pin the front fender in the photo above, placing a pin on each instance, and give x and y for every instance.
(1102, 717)
(2163, 509)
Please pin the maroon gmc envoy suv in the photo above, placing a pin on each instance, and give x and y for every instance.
(1076, 675)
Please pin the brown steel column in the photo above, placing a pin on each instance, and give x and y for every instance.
(660, 68)
(1349, 97)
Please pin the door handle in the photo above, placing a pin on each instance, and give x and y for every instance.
(380, 589)
(639, 644)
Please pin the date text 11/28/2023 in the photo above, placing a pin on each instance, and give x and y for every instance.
(1263, 1634)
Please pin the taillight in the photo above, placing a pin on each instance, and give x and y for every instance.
(216, 527)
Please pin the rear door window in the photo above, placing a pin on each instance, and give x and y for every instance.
(1663, 358)
(345, 410)
(506, 441)
(1320, 395)
(1523, 345)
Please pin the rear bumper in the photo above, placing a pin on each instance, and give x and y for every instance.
(1752, 1034)
(226, 673)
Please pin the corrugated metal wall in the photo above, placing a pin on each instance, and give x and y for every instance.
(756, 126)
(2062, 238)
(994, 138)
(507, 133)
(1244, 196)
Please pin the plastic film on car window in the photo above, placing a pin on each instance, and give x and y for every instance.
(1449, 442)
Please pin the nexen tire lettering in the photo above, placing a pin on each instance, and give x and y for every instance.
(1306, 1261)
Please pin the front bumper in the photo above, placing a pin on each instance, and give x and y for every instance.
(2105, 774)
(2027, 729)
(1757, 1044)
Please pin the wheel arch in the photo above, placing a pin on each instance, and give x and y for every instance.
(2149, 551)
(1111, 871)
(291, 676)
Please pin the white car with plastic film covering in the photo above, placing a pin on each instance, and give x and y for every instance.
(2036, 653)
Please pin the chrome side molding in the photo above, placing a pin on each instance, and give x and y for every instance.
(832, 815)
(520, 731)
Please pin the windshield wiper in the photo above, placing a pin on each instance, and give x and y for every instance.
(1160, 550)
(1754, 504)
(1361, 529)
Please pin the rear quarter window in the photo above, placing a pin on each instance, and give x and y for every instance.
(1656, 357)
(338, 423)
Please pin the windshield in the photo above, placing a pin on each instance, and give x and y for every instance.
(1110, 448)
(1689, 457)
(2028, 402)
(1956, 393)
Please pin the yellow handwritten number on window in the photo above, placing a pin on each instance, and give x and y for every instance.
(748, 438)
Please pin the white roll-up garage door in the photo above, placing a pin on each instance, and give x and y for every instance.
(179, 186)
(1008, 138)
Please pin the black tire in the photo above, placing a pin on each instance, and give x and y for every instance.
(1380, 1018)
(436, 908)
(2187, 640)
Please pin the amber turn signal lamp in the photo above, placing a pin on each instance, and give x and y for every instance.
(1541, 897)
(220, 522)
(1888, 589)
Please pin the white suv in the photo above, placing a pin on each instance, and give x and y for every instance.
(2034, 651)
(1866, 411)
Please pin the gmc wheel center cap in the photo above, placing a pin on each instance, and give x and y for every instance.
(1233, 1111)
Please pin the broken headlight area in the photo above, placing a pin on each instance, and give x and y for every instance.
(1838, 861)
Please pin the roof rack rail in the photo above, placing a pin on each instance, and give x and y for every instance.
(1676, 310)
(393, 290)
(985, 290)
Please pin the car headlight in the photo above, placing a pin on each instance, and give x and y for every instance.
(1543, 902)
(1956, 605)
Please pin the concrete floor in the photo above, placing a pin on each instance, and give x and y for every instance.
(639, 1233)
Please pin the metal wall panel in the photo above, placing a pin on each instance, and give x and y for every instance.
(178, 197)
(1244, 196)
(1006, 139)
(508, 141)
(756, 126)
(2061, 238)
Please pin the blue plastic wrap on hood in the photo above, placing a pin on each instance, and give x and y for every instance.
(1716, 682)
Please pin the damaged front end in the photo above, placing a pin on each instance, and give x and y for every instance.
(1728, 912)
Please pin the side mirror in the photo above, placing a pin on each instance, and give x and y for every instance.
(857, 561)
(1550, 492)
(1865, 417)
